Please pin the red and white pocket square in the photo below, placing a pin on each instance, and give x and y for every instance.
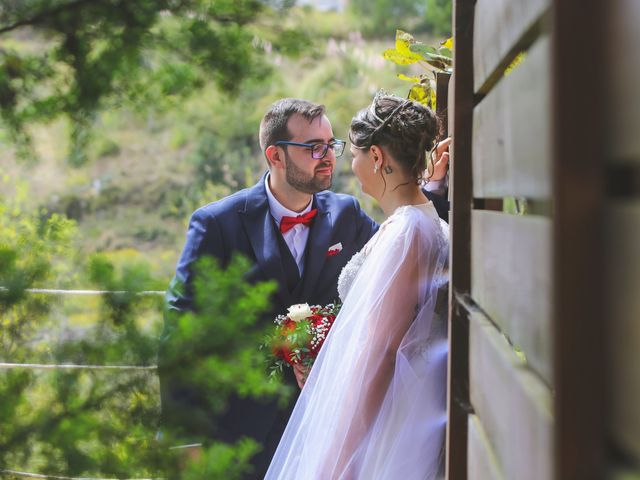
(334, 249)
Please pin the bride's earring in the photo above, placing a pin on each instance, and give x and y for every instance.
(375, 168)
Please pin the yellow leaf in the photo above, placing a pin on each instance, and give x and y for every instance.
(420, 93)
(403, 41)
(448, 43)
(402, 76)
(396, 57)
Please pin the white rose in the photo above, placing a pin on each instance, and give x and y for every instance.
(299, 312)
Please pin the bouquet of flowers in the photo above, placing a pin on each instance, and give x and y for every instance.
(299, 335)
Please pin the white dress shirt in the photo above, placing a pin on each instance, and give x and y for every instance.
(437, 186)
(296, 238)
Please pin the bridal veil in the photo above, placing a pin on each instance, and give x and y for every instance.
(374, 405)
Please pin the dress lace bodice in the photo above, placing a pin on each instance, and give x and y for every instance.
(348, 274)
(351, 269)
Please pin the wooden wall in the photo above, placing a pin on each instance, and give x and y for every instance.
(622, 229)
(545, 298)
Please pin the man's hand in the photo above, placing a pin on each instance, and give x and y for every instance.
(440, 156)
(301, 372)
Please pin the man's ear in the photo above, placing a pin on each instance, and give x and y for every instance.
(273, 156)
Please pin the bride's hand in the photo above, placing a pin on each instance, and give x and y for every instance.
(440, 156)
(301, 372)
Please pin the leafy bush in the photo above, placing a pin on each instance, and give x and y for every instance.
(103, 422)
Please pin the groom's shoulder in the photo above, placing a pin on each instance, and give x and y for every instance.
(227, 206)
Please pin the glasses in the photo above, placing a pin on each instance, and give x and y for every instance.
(318, 150)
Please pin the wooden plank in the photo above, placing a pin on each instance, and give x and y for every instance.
(483, 464)
(461, 100)
(623, 280)
(511, 132)
(511, 280)
(500, 26)
(624, 36)
(513, 404)
(579, 149)
(442, 102)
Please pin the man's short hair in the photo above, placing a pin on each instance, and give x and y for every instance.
(273, 126)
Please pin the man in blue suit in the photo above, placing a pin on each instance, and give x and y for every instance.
(295, 231)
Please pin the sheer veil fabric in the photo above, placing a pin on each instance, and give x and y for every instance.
(374, 404)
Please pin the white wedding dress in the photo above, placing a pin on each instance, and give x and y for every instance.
(374, 405)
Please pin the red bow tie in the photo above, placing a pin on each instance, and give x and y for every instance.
(287, 223)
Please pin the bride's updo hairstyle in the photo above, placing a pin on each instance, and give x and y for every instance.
(406, 128)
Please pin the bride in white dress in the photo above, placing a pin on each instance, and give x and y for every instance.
(374, 405)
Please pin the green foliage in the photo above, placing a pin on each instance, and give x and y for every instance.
(310, 26)
(106, 147)
(220, 336)
(408, 51)
(224, 160)
(382, 16)
(626, 473)
(104, 53)
(33, 247)
(62, 421)
(515, 205)
(99, 422)
(222, 462)
(437, 17)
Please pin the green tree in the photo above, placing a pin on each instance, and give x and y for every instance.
(97, 422)
(97, 54)
(34, 249)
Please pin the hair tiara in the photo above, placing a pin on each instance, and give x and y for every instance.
(372, 109)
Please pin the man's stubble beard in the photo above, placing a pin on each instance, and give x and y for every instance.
(303, 182)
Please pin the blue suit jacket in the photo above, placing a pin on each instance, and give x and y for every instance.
(242, 223)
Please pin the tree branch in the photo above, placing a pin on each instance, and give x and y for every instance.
(43, 15)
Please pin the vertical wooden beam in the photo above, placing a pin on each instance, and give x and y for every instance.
(579, 318)
(442, 102)
(460, 227)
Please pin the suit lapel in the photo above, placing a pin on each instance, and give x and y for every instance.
(261, 232)
(317, 246)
